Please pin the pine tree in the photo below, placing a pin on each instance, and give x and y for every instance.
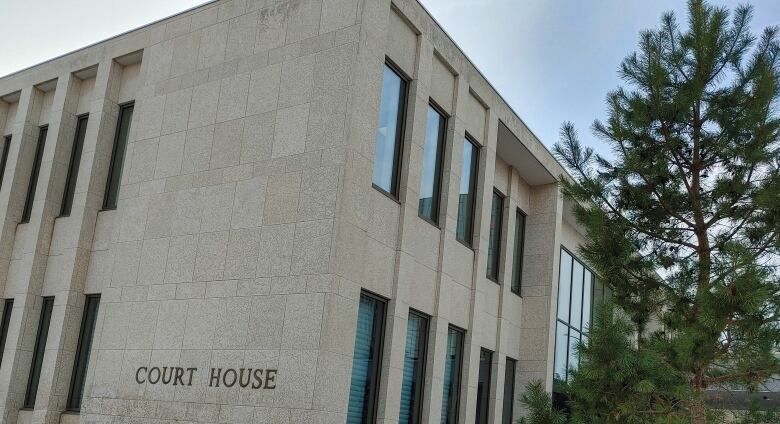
(683, 222)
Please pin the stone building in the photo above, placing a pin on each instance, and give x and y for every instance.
(278, 211)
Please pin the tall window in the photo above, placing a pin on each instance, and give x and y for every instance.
(8, 306)
(73, 167)
(509, 391)
(4, 157)
(517, 266)
(450, 402)
(483, 386)
(38, 351)
(366, 360)
(36, 169)
(414, 369)
(494, 241)
(390, 131)
(575, 288)
(466, 192)
(118, 156)
(430, 182)
(82, 352)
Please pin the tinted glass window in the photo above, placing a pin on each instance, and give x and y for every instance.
(483, 386)
(388, 134)
(8, 307)
(73, 167)
(36, 169)
(4, 157)
(430, 182)
(517, 266)
(40, 348)
(494, 241)
(118, 156)
(82, 352)
(366, 361)
(509, 391)
(414, 366)
(468, 176)
(452, 373)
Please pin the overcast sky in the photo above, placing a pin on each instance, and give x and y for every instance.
(552, 60)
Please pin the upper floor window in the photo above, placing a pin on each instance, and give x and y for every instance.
(389, 131)
(36, 169)
(494, 240)
(517, 266)
(4, 157)
(575, 291)
(430, 181)
(467, 192)
(73, 167)
(111, 197)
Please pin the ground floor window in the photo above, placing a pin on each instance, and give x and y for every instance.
(453, 365)
(366, 360)
(483, 386)
(414, 368)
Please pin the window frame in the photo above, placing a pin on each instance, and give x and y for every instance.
(496, 265)
(452, 415)
(370, 411)
(115, 169)
(4, 157)
(469, 241)
(76, 151)
(418, 390)
(43, 133)
(8, 307)
(403, 105)
(36, 364)
(439, 166)
(519, 247)
(83, 350)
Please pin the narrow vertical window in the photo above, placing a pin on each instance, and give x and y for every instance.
(509, 391)
(414, 369)
(118, 156)
(36, 169)
(40, 349)
(494, 240)
(82, 352)
(389, 131)
(73, 166)
(366, 360)
(517, 266)
(466, 192)
(8, 307)
(450, 402)
(483, 386)
(430, 181)
(4, 157)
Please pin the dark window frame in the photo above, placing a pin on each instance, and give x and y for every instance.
(83, 350)
(439, 168)
(469, 241)
(517, 266)
(483, 396)
(73, 166)
(4, 158)
(496, 265)
(400, 136)
(378, 341)
(114, 179)
(418, 391)
(509, 391)
(39, 351)
(43, 132)
(453, 411)
(8, 307)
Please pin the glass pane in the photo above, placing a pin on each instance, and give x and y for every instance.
(4, 157)
(388, 132)
(576, 296)
(36, 169)
(517, 267)
(73, 167)
(483, 386)
(564, 287)
(587, 304)
(365, 362)
(118, 157)
(574, 338)
(82, 353)
(494, 240)
(561, 350)
(466, 192)
(8, 306)
(449, 403)
(38, 351)
(430, 181)
(414, 363)
(509, 392)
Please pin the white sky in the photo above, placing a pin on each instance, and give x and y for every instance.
(552, 60)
